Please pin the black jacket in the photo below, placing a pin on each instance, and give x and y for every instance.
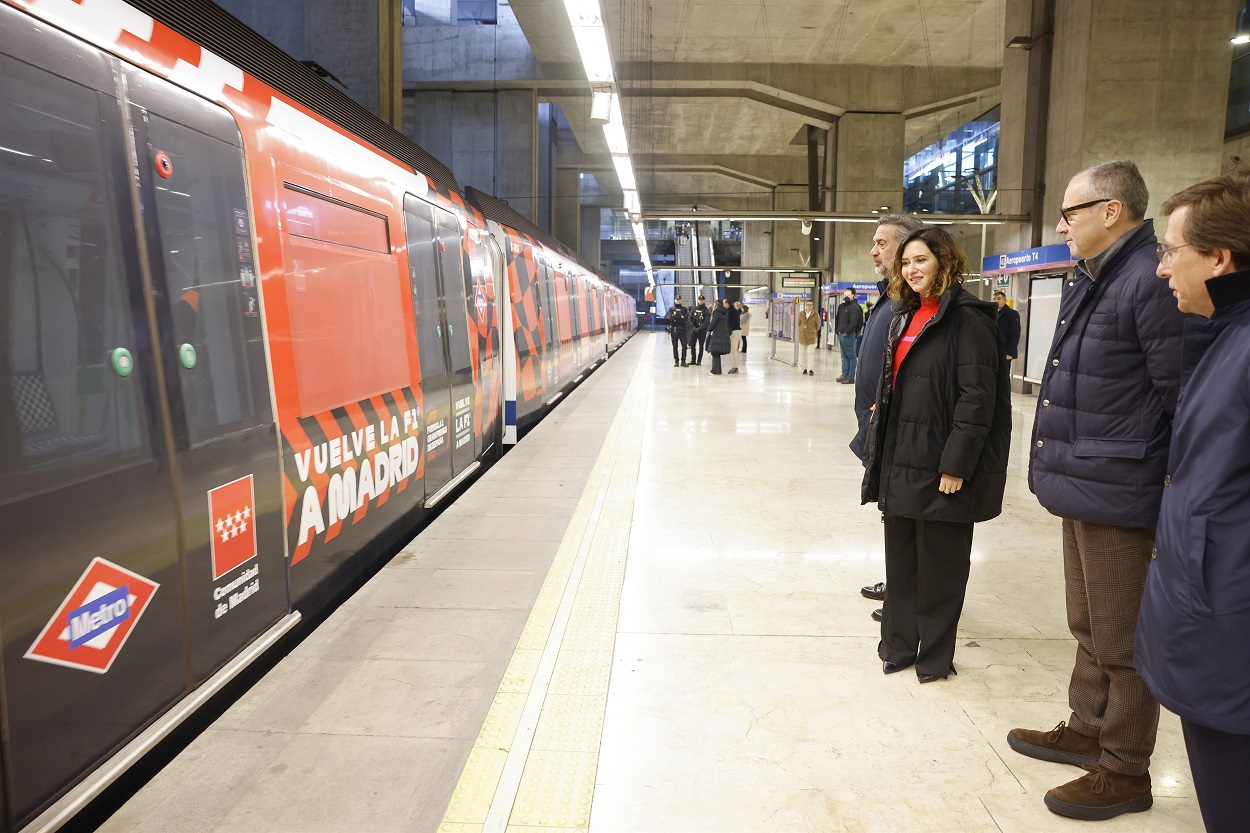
(678, 319)
(949, 414)
(849, 318)
(1104, 411)
(1009, 328)
(868, 372)
(699, 318)
(718, 332)
(735, 319)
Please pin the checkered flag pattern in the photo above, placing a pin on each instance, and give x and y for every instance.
(34, 408)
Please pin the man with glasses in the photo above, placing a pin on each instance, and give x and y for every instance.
(1193, 632)
(1097, 460)
(892, 229)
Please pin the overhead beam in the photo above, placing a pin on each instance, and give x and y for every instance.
(835, 217)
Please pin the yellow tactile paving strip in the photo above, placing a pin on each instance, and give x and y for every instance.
(556, 785)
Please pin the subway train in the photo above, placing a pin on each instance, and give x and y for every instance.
(251, 336)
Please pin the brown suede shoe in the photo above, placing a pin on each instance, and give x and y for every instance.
(1101, 795)
(1061, 745)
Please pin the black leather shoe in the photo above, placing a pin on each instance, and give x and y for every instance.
(876, 592)
(888, 667)
(877, 614)
(932, 678)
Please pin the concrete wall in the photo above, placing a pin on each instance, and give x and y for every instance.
(280, 21)
(487, 139)
(869, 175)
(343, 38)
(341, 35)
(1138, 81)
(446, 53)
(1146, 82)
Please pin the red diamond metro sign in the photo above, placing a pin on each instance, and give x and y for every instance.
(94, 621)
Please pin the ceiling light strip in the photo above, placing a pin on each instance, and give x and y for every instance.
(586, 18)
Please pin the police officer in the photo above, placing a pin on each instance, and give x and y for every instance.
(699, 318)
(678, 330)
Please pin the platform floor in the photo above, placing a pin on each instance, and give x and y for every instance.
(647, 618)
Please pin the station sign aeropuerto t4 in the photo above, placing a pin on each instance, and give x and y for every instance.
(1029, 260)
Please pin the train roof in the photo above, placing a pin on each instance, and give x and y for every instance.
(493, 208)
(214, 28)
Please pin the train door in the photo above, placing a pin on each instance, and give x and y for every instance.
(452, 273)
(91, 592)
(437, 276)
(198, 230)
(551, 338)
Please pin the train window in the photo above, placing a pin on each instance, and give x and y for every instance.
(210, 275)
(65, 412)
(347, 311)
(423, 269)
(451, 262)
(320, 218)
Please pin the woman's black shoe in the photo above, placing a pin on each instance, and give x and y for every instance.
(930, 678)
(888, 667)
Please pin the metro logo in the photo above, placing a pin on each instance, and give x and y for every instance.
(99, 616)
(232, 513)
(94, 621)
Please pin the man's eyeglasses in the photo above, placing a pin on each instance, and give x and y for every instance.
(1065, 213)
(1166, 252)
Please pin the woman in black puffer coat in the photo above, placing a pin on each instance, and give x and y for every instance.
(718, 334)
(937, 449)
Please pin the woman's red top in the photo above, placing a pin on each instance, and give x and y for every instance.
(928, 309)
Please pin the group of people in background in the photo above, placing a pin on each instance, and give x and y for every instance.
(1140, 445)
(722, 329)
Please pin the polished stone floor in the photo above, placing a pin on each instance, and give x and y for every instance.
(745, 693)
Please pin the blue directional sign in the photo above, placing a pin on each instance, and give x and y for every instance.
(1029, 260)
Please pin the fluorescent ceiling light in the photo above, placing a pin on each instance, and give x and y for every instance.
(592, 43)
(625, 173)
(632, 204)
(584, 12)
(1241, 40)
(614, 130)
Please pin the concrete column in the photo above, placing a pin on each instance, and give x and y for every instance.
(390, 63)
(869, 162)
(567, 207)
(488, 139)
(1146, 82)
(590, 248)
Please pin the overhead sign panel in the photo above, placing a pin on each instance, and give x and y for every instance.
(1029, 260)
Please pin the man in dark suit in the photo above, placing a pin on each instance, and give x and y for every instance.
(1008, 327)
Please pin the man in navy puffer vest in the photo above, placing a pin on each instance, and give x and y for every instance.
(1097, 460)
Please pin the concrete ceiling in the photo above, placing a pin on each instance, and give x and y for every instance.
(709, 79)
(879, 33)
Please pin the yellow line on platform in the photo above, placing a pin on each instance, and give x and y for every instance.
(532, 767)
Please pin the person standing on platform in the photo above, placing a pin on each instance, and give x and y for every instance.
(892, 229)
(744, 313)
(679, 329)
(1193, 630)
(718, 335)
(1097, 459)
(699, 317)
(805, 330)
(848, 321)
(735, 332)
(937, 449)
(1008, 326)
